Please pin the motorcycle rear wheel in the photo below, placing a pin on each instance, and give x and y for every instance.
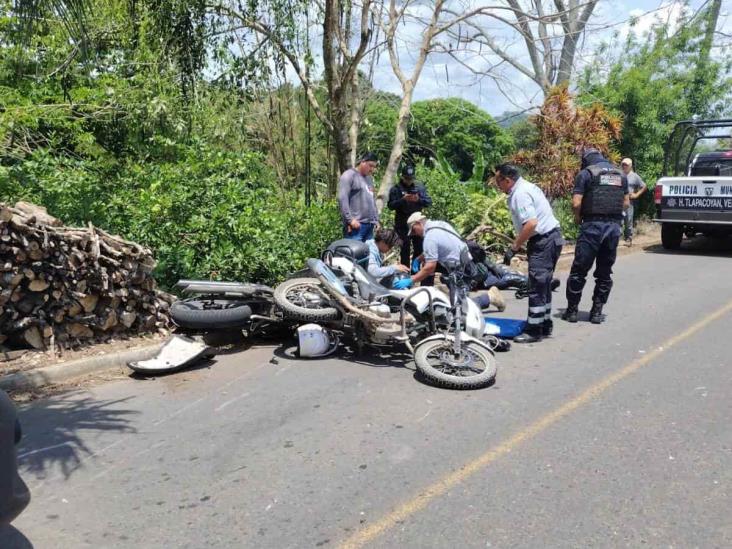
(293, 297)
(199, 313)
(473, 369)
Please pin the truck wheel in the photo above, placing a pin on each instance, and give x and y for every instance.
(671, 236)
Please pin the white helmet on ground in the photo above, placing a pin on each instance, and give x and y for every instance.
(313, 341)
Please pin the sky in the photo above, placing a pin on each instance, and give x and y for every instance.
(445, 77)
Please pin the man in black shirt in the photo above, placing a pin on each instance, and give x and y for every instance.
(405, 198)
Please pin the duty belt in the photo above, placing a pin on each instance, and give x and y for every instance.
(537, 237)
(616, 218)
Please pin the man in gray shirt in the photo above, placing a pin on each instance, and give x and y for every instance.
(636, 188)
(443, 246)
(356, 199)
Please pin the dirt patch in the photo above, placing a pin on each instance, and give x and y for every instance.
(76, 384)
(20, 361)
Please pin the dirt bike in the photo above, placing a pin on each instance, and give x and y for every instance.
(444, 333)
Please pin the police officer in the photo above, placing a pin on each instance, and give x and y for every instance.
(405, 198)
(534, 225)
(599, 198)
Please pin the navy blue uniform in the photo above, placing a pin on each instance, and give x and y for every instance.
(527, 201)
(403, 209)
(598, 239)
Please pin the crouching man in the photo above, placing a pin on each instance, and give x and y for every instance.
(442, 247)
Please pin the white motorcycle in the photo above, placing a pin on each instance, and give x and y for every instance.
(446, 334)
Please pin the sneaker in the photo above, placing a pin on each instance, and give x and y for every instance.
(497, 298)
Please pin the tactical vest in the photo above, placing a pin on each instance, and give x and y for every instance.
(604, 195)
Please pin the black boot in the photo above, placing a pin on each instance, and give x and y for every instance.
(532, 334)
(570, 313)
(516, 281)
(555, 284)
(547, 328)
(596, 316)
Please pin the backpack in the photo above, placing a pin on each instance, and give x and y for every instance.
(476, 250)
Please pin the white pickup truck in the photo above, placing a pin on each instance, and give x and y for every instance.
(695, 194)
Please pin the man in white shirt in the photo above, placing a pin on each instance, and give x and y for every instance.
(534, 225)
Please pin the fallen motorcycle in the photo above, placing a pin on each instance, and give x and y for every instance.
(445, 334)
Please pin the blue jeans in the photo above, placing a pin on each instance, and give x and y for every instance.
(629, 221)
(364, 232)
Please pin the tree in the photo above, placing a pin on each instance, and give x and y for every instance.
(282, 26)
(436, 20)
(561, 128)
(457, 131)
(549, 30)
(654, 81)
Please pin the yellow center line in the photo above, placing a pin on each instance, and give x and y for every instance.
(449, 481)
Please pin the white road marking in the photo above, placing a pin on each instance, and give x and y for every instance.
(231, 401)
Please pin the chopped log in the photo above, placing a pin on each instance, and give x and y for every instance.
(6, 214)
(109, 321)
(33, 337)
(38, 285)
(89, 302)
(65, 285)
(79, 330)
(75, 309)
(39, 212)
(127, 318)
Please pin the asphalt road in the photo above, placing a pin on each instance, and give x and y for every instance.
(612, 435)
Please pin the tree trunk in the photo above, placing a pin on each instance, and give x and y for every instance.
(355, 117)
(566, 60)
(342, 141)
(400, 134)
(397, 149)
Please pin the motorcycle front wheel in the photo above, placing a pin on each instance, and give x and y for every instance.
(474, 367)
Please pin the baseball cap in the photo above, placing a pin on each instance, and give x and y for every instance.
(415, 218)
(408, 171)
(627, 161)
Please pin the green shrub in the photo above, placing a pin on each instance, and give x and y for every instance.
(459, 202)
(205, 213)
(563, 211)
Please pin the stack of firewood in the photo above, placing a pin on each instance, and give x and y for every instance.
(63, 286)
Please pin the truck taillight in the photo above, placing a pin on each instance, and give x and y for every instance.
(657, 194)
